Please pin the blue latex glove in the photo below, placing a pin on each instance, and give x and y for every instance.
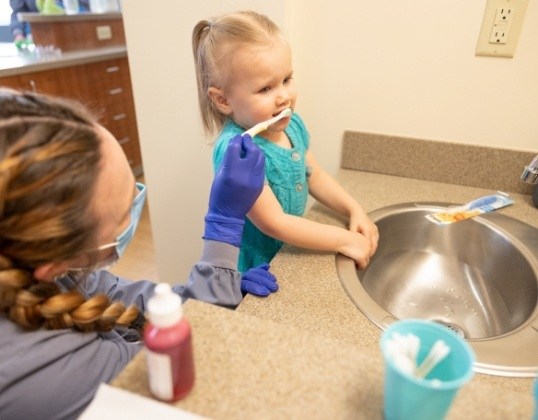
(237, 185)
(259, 281)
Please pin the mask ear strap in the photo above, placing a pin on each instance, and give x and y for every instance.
(106, 246)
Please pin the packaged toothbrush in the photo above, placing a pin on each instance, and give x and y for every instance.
(474, 208)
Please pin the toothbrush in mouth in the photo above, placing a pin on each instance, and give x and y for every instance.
(264, 125)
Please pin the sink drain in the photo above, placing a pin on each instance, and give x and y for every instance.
(455, 328)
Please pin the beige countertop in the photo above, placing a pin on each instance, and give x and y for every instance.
(13, 63)
(249, 367)
(311, 296)
(307, 351)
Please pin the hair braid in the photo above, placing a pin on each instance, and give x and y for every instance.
(49, 160)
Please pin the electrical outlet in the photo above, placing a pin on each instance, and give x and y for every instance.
(501, 27)
(103, 32)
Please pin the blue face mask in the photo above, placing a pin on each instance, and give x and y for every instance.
(124, 238)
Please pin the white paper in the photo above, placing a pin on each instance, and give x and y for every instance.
(114, 403)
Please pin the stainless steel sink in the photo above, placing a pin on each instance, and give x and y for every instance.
(478, 277)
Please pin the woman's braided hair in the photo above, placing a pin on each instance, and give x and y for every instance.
(49, 161)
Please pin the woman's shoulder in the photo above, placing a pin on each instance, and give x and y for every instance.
(33, 360)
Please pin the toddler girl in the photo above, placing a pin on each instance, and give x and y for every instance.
(245, 76)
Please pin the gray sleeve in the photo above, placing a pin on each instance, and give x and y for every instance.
(54, 374)
(214, 279)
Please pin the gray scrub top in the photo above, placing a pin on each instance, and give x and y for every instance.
(55, 374)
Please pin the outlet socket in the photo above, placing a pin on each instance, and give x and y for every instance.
(503, 20)
(104, 32)
(501, 26)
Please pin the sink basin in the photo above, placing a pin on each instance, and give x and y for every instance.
(478, 277)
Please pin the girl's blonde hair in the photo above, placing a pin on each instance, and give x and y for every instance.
(49, 161)
(213, 42)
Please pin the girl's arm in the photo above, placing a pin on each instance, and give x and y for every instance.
(325, 189)
(268, 216)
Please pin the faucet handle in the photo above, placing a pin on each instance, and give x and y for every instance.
(530, 173)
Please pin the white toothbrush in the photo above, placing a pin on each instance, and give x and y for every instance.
(264, 125)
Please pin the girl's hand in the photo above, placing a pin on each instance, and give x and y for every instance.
(361, 223)
(358, 247)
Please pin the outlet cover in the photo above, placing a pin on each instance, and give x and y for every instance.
(501, 27)
(103, 32)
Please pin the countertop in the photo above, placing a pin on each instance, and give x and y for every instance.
(311, 296)
(307, 351)
(13, 63)
(83, 16)
(249, 367)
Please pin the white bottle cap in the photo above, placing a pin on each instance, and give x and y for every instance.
(164, 307)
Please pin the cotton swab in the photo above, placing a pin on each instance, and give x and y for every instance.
(437, 353)
(264, 125)
(404, 350)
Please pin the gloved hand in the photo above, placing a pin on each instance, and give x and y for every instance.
(237, 185)
(259, 281)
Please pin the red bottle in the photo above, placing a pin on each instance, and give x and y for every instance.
(168, 342)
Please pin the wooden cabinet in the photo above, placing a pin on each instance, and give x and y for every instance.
(10, 82)
(81, 31)
(104, 87)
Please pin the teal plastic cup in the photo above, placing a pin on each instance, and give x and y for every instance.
(429, 398)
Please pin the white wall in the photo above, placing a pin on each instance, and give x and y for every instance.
(409, 68)
(402, 67)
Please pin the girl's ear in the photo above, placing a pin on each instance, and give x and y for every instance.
(219, 100)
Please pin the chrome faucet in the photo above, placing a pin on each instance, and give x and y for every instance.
(530, 175)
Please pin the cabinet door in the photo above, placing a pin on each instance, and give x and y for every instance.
(67, 82)
(103, 87)
(110, 79)
(41, 82)
(111, 99)
(11, 82)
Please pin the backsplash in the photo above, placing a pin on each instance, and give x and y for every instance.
(453, 163)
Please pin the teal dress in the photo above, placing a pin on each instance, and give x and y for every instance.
(287, 175)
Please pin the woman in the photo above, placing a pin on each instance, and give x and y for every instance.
(69, 205)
